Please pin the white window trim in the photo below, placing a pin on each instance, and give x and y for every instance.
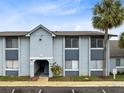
(96, 48)
(96, 60)
(119, 66)
(8, 69)
(71, 48)
(11, 48)
(71, 69)
(96, 69)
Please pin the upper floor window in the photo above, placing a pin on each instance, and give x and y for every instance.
(96, 43)
(11, 42)
(71, 42)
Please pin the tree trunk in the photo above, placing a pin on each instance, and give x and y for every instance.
(105, 51)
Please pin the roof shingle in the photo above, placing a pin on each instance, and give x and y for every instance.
(17, 33)
(79, 33)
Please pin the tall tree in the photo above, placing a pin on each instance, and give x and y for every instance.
(121, 40)
(107, 14)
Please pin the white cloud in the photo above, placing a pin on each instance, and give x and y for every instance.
(44, 9)
(52, 9)
(78, 27)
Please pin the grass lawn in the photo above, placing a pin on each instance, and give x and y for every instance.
(15, 78)
(86, 78)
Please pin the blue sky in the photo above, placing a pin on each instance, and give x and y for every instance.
(57, 15)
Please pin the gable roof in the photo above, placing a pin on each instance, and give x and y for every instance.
(40, 26)
(115, 50)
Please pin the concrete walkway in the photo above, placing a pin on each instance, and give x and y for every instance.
(60, 84)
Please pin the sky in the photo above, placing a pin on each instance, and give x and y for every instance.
(56, 15)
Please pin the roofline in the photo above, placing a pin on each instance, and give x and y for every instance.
(52, 33)
(83, 35)
(116, 56)
(40, 26)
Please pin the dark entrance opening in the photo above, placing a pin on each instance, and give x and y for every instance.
(41, 68)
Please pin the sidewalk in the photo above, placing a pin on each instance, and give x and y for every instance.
(60, 84)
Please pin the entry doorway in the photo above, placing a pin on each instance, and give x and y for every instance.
(41, 68)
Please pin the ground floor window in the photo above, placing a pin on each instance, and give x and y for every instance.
(118, 62)
(11, 64)
(71, 65)
(97, 64)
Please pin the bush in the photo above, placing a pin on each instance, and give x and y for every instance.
(56, 70)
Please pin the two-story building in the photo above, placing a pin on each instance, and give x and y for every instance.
(33, 52)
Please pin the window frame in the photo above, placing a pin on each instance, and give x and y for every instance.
(72, 69)
(12, 62)
(72, 38)
(8, 48)
(96, 42)
(119, 62)
(18, 42)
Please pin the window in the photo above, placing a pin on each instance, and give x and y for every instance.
(71, 65)
(11, 64)
(68, 65)
(11, 54)
(96, 43)
(68, 42)
(72, 54)
(11, 42)
(118, 62)
(71, 42)
(97, 54)
(74, 42)
(97, 64)
(93, 42)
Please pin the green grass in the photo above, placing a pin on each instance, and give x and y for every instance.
(15, 78)
(87, 78)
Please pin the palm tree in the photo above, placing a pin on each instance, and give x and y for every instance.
(121, 40)
(107, 14)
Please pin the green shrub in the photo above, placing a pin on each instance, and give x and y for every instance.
(56, 70)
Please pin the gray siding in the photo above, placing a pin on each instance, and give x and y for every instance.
(11, 54)
(83, 56)
(43, 47)
(71, 54)
(58, 50)
(71, 73)
(24, 56)
(1, 55)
